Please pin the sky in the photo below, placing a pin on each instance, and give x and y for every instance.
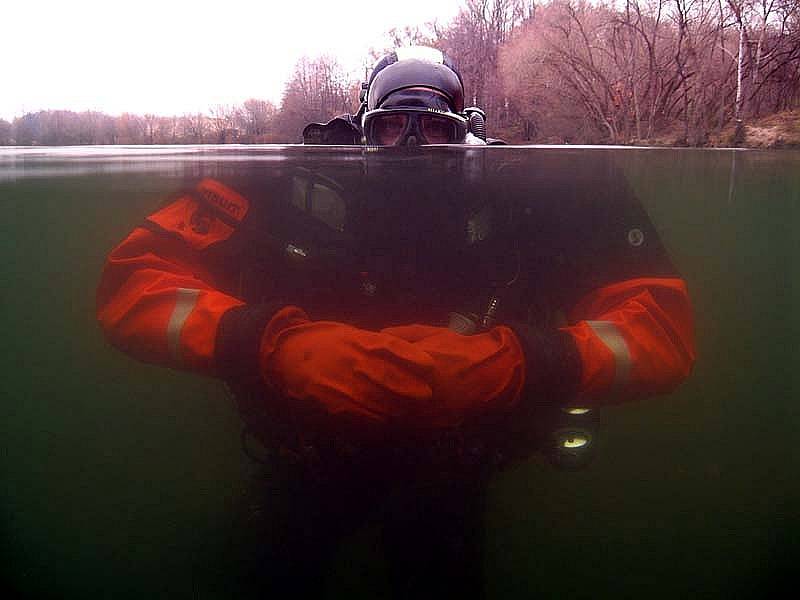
(171, 57)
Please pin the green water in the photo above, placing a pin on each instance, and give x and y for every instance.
(125, 480)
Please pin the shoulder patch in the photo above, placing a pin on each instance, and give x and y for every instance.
(194, 223)
(224, 199)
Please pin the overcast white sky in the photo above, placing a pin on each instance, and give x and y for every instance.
(176, 56)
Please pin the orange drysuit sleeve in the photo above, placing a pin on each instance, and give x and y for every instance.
(157, 299)
(629, 339)
(635, 338)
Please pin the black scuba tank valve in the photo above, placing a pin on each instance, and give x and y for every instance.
(491, 313)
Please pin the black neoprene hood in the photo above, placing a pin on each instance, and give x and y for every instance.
(414, 73)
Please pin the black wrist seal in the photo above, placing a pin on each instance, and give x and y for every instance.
(552, 362)
(239, 339)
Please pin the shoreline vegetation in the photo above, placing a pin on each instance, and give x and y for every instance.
(775, 131)
(619, 72)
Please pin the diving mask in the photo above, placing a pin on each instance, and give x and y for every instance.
(410, 126)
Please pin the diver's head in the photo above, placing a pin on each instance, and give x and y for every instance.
(414, 96)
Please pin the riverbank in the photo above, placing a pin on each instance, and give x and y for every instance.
(775, 131)
(779, 130)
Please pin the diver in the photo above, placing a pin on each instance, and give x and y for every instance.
(414, 96)
(392, 387)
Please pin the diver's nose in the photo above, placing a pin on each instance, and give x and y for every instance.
(412, 141)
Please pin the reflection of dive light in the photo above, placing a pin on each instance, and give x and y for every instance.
(572, 442)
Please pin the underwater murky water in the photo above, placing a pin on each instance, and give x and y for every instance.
(122, 479)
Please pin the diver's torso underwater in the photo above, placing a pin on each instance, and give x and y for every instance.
(463, 238)
(412, 320)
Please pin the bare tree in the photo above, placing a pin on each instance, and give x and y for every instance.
(258, 118)
(223, 123)
(150, 127)
(6, 133)
(193, 128)
(474, 40)
(317, 91)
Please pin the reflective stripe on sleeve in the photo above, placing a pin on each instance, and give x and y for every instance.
(187, 298)
(610, 335)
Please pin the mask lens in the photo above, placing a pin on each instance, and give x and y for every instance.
(437, 130)
(388, 129)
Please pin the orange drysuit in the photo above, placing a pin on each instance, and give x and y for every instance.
(171, 293)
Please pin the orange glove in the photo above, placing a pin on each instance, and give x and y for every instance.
(472, 374)
(347, 371)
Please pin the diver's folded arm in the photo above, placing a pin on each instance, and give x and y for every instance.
(159, 301)
(634, 338)
(625, 340)
(158, 304)
(159, 298)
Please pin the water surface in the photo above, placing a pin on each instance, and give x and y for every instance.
(125, 480)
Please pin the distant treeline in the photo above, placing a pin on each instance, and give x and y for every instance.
(627, 71)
